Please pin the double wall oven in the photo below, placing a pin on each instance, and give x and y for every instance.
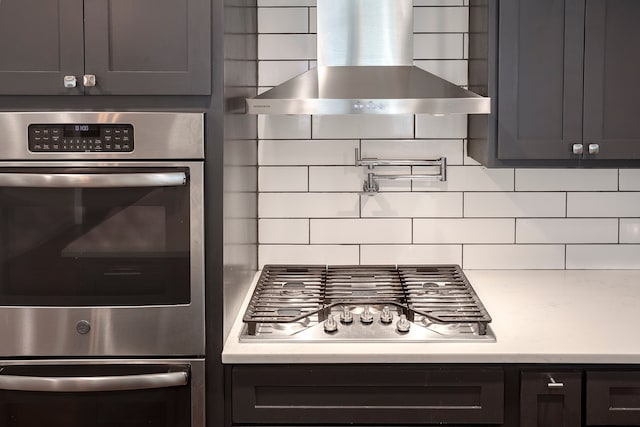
(101, 269)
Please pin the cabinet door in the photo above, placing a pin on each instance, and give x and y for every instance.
(613, 398)
(148, 47)
(40, 43)
(540, 60)
(550, 399)
(366, 395)
(611, 88)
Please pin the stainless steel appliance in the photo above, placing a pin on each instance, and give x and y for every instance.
(101, 234)
(365, 66)
(78, 393)
(418, 303)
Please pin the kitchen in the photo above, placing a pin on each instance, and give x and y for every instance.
(292, 195)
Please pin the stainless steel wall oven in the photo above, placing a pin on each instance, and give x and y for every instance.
(102, 256)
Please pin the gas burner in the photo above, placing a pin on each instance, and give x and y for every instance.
(365, 303)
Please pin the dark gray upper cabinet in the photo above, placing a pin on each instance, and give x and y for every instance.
(560, 74)
(141, 47)
(611, 88)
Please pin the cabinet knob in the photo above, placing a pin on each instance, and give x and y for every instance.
(577, 148)
(89, 80)
(594, 148)
(70, 81)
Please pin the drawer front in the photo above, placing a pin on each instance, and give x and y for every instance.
(375, 395)
(613, 398)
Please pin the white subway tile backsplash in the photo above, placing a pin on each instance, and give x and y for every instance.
(605, 204)
(451, 126)
(307, 152)
(513, 257)
(629, 230)
(438, 2)
(362, 126)
(566, 230)
(511, 205)
(590, 257)
(283, 179)
(286, 46)
(414, 149)
(438, 46)
(351, 178)
(308, 205)
(411, 254)
(468, 178)
(412, 205)
(360, 231)
(283, 20)
(284, 127)
(566, 179)
(313, 20)
(283, 231)
(308, 254)
(280, 3)
(630, 179)
(272, 73)
(440, 19)
(463, 230)
(455, 71)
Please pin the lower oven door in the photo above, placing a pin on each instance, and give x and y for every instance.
(102, 393)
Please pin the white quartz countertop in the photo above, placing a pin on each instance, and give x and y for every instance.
(548, 316)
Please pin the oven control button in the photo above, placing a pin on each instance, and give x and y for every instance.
(386, 316)
(346, 317)
(83, 327)
(330, 325)
(366, 317)
(403, 324)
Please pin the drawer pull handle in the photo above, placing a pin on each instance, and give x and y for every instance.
(554, 384)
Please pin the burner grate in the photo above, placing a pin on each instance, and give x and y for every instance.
(442, 294)
(286, 294)
(363, 284)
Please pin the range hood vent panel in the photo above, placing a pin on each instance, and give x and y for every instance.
(365, 50)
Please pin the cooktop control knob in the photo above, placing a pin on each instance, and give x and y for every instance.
(366, 316)
(403, 324)
(346, 317)
(330, 325)
(386, 316)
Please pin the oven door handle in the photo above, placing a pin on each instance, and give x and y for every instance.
(91, 384)
(93, 180)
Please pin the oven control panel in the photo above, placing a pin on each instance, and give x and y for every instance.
(76, 137)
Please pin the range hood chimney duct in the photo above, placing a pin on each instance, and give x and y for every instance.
(365, 66)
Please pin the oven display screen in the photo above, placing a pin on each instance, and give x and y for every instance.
(89, 131)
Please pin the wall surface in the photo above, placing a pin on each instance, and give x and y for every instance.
(311, 210)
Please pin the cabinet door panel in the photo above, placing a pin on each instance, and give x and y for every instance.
(613, 398)
(612, 67)
(540, 78)
(40, 43)
(358, 395)
(148, 47)
(542, 404)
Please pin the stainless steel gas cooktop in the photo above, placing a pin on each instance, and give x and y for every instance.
(368, 303)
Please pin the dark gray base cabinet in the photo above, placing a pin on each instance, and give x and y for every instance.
(559, 73)
(142, 47)
(455, 395)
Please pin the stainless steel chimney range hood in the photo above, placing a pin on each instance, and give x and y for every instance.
(365, 66)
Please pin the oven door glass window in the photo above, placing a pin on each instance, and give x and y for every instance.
(166, 406)
(108, 241)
